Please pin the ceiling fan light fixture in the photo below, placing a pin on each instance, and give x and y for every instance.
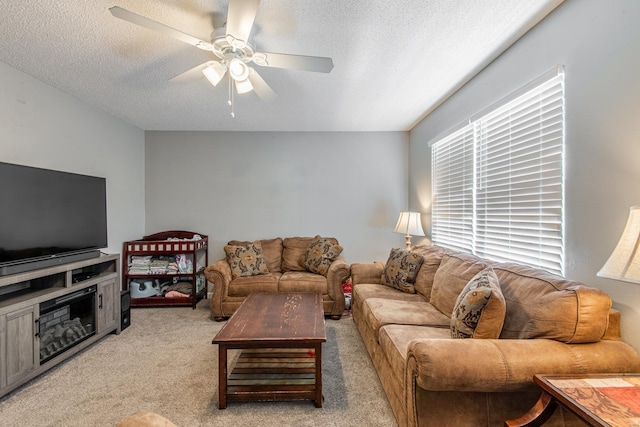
(244, 86)
(238, 70)
(214, 72)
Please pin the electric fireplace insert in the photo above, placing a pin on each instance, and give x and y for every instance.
(66, 321)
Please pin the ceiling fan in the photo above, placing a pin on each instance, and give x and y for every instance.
(233, 52)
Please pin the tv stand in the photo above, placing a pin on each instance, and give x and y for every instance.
(22, 267)
(22, 297)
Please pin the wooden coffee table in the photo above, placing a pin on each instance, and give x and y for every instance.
(599, 400)
(281, 335)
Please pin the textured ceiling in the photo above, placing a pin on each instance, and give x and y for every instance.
(394, 60)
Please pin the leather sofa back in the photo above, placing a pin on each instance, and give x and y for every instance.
(542, 305)
(538, 304)
(294, 252)
(432, 256)
(455, 271)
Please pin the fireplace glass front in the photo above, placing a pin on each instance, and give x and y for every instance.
(66, 321)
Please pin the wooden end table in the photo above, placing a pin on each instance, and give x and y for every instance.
(281, 335)
(599, 400)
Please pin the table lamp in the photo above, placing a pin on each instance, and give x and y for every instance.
(409, 224)
(624, 262)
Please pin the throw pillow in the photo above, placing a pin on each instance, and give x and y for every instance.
(271, 252)
(246, 260)
(320, 254)
(480, 308)
(401, 270)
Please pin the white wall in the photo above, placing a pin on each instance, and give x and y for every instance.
(44, 127)
(598, 42)
(260, 185)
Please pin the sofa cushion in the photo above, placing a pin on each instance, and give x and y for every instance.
(302, 281)
(271, 252)
(401, 270)
(431, 259)
(244, 286)
(246, 260)
(378, 312)
(294, 252)
(320, 254)
(480, 308)
(364, 291)
(543, 305)
(455, 271)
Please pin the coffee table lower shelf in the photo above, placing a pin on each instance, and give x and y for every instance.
(273, 374)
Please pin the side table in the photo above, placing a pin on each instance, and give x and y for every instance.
(599, 400)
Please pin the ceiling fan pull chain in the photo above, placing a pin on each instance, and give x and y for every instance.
(233, 114)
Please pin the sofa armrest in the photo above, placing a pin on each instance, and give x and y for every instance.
(219, 273)
(613, 331)
(367, 273)
(495, 365)
(338, 272)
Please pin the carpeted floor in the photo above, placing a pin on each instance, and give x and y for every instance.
(165, 363)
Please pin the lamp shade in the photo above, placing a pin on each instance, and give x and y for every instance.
(409, 223)
(238, 70)
(214, 72)
(244, 86)
(624, 262)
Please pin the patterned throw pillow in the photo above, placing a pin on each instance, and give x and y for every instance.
(401, 270)
(320, 254)
(480, 308)
(246, 260)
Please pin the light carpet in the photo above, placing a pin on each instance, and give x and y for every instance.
(165, 363)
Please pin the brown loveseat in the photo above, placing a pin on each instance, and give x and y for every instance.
(549, 326)
(286, 271)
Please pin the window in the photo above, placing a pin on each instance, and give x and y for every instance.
(498, 180)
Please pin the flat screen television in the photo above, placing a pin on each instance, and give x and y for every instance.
(49, 217)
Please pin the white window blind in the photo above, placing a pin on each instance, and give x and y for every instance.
(452, 181)
(516, 194)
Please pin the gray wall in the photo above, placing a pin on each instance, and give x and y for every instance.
(598, 42)
(260, 185)
(44, 127)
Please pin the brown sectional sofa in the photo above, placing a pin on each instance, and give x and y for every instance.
(287, 273)
(551, 326)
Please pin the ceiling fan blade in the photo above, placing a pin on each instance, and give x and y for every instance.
(318, 64)
(260, 87)
(240, 17)
(190, 75)
(134, 18)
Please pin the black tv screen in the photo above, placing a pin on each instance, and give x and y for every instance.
(47, 214)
